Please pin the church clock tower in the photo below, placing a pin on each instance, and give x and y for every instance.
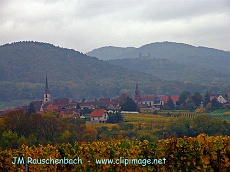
(47, 95)
(137, 93)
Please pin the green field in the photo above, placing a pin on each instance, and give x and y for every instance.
(220, 111)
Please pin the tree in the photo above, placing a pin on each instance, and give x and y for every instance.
(9, 140)
(31, 109)
(180, 127)
(129, 105)
(78, 106)
(209, 125)
(115, 117)
(215, 104)
(197, 98)
(183, 97)
(189, 104)
(170, 103)
(206, 98)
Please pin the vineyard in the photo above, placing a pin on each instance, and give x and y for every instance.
(202, 153)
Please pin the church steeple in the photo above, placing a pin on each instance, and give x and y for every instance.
(47, 87)
(137, 93)
(136, 86)
(47, 95)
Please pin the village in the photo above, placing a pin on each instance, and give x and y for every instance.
(98, 109)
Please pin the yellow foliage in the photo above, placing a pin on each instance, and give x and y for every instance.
(227, 113)
(190, 154)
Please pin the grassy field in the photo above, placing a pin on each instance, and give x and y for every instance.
(220, 111)
(95, 125)
(143, 117)
(220, 114)
(223, 117)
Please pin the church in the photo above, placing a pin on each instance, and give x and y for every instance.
(47, 95)
(60, 105)
(151, 102)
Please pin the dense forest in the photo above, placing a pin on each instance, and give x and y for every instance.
(172, 61)
(74, 75)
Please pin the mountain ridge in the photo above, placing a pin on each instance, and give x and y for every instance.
(199, 64)
(95, 52)
(75, 75)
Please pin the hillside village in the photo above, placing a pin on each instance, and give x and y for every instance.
(99, 108)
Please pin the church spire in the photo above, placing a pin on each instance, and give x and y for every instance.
(47, 87)
(136, 86)
(47, 95)
(137, 93)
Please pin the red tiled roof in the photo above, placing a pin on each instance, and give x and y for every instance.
(175, 98)
(164, 98)
(61, 101)
(228, 95)
(54, 107)
(148, 97)
(212, 97)
(97, 113)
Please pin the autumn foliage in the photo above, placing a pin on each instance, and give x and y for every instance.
(203, 153)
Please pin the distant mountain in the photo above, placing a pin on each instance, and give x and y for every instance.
(75, 75)
(110, 52)
(176, 61)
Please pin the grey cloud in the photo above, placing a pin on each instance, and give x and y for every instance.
(87, 24)
(182, 10)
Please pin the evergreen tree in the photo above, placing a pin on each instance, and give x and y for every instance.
(170, 103)
(183, 97)
(31, 109)
(206, 98)
(129, 105)
(197, 98)
(115, 117)
(215, 104)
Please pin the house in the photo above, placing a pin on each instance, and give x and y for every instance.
(88, 104)
(99, 115)
(219, 98)
(37, 105)
(146, 100)
(166, 98)
(61, 102)
(112, 107)
(53, 108)
(228, 96)
(153, 102)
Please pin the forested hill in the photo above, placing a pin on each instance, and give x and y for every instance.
(174, 61)
(29, 62)
(72, 74)
(110, 52)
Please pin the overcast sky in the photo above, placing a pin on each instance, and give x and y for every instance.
(84, 25)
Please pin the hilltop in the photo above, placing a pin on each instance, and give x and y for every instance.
(74, 75)
(173, 61)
